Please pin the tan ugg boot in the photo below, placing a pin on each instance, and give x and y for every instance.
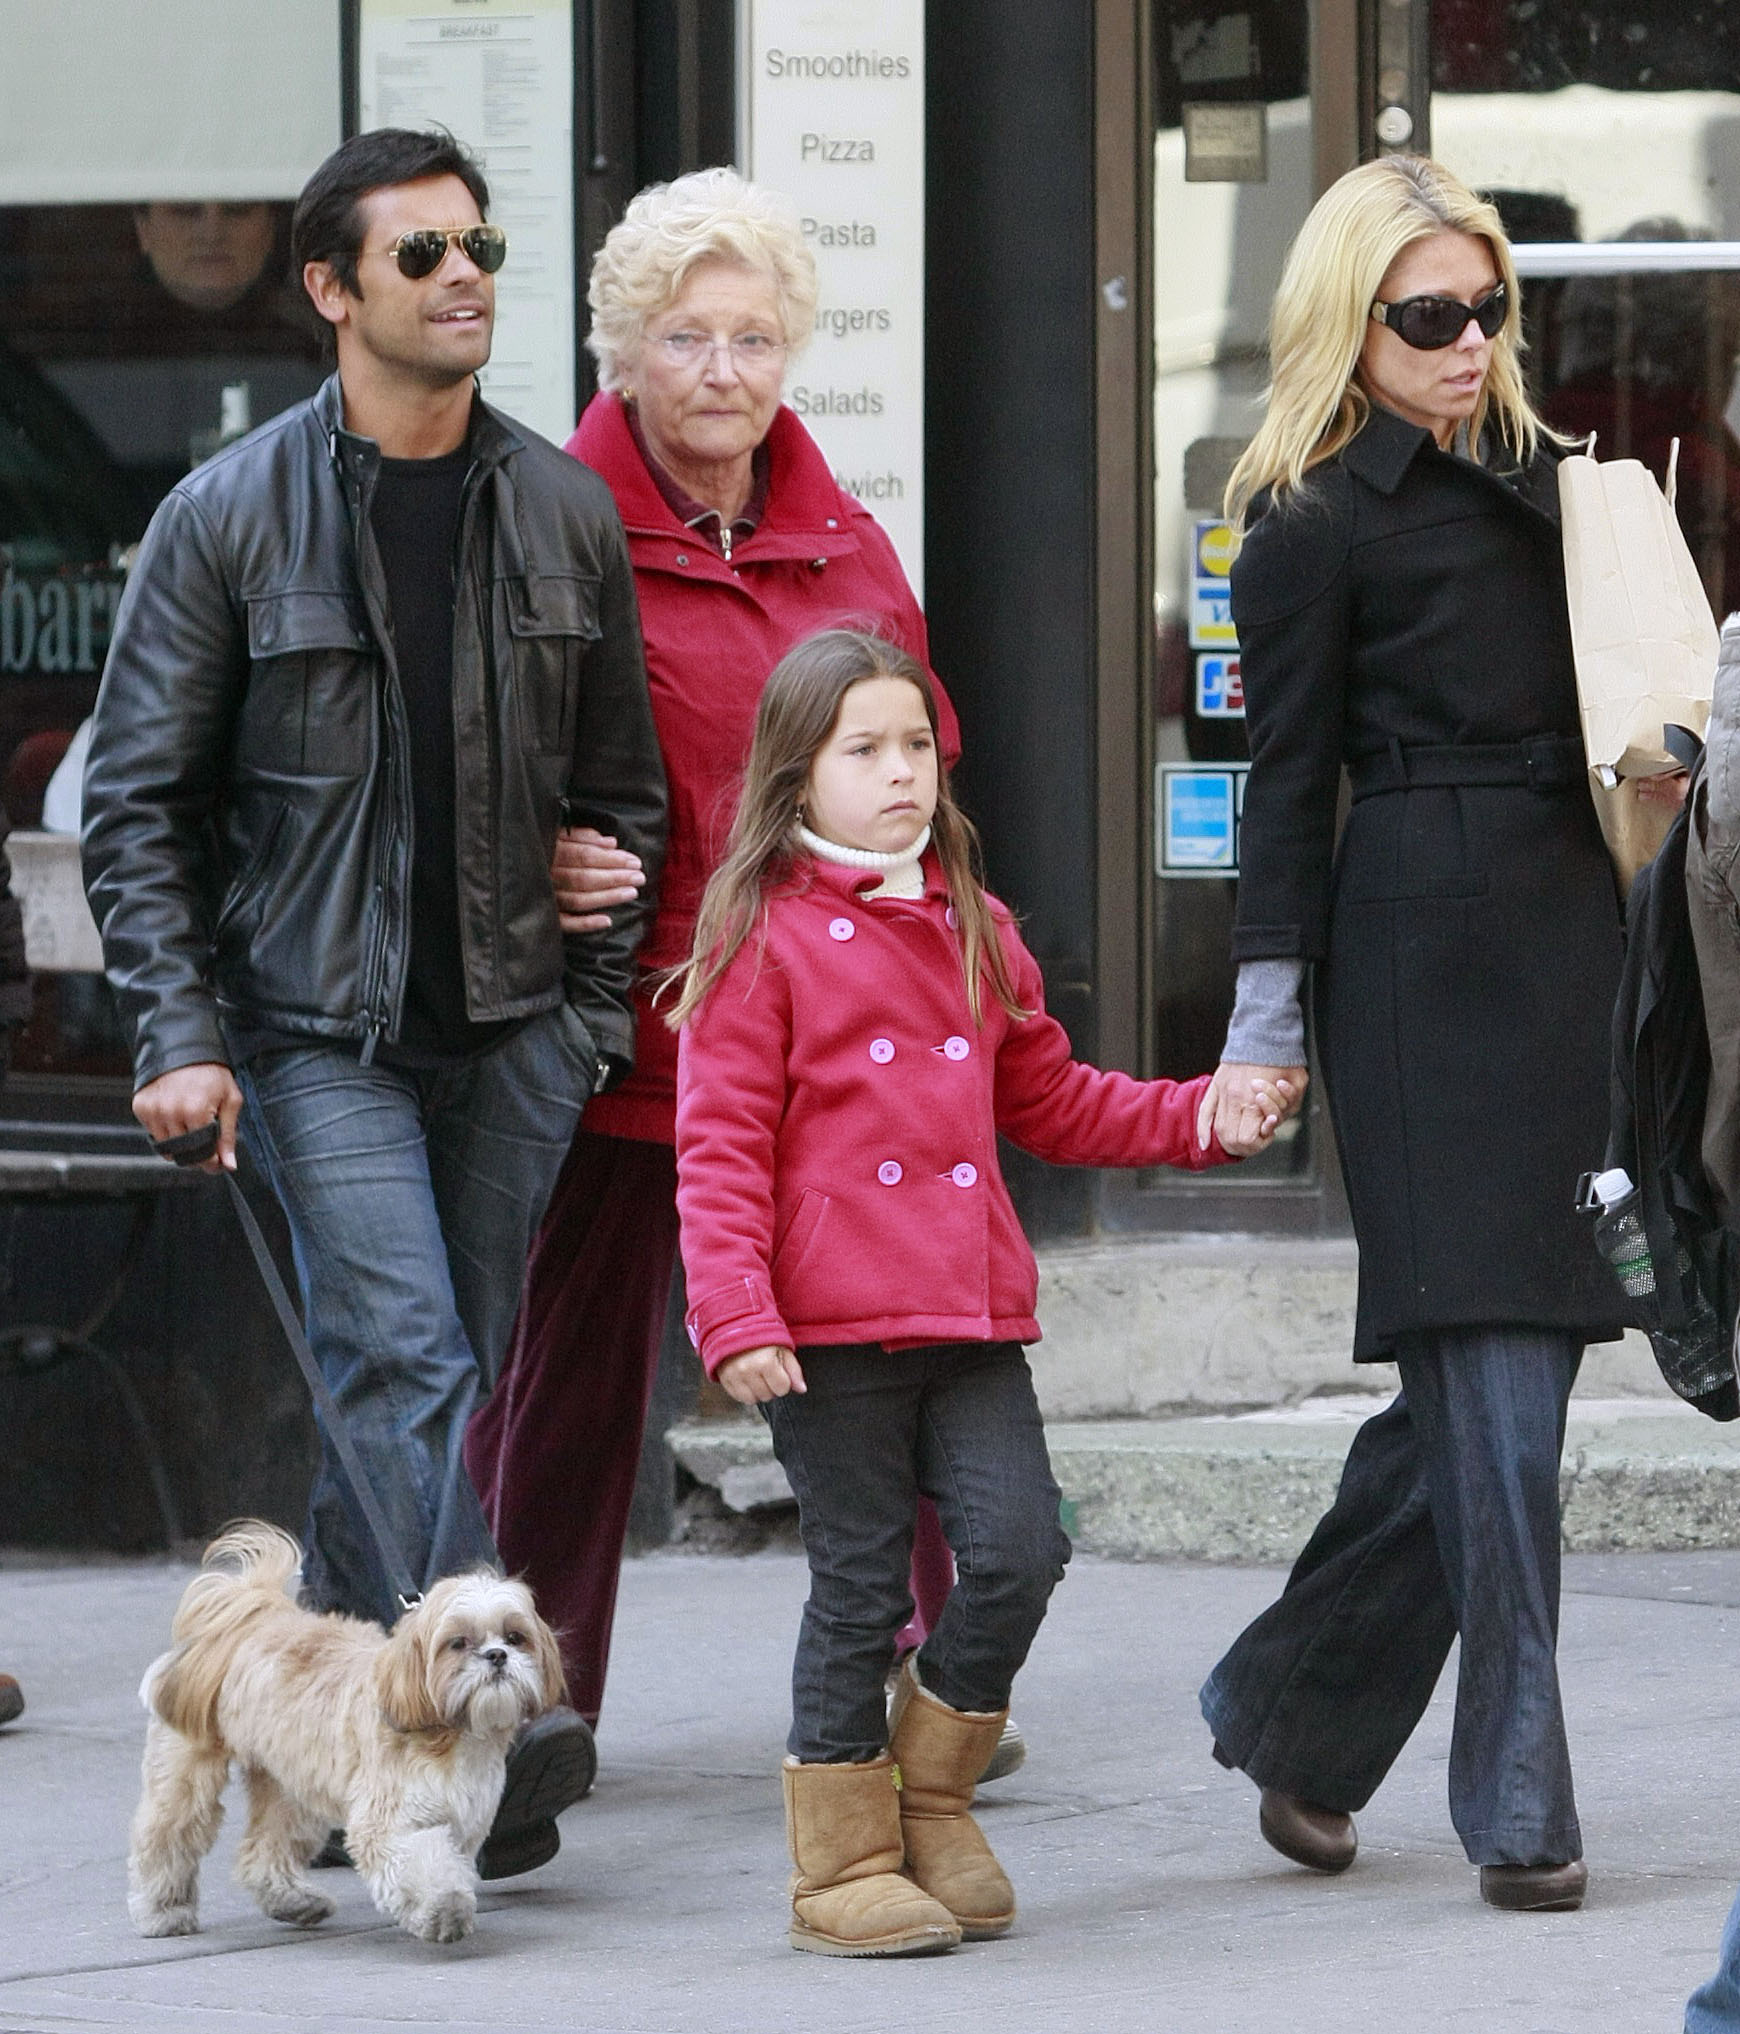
(848, 1897)
(940, 1753)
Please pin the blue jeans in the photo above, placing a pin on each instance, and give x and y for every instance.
(1446, 1522)
(959, 1422)
(1714, 2008)
(412, 1199)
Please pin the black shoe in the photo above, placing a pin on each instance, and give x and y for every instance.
(551, 1764)
(11, 1699)
(506, 1855)
(1535, 1889)
(332, 1855)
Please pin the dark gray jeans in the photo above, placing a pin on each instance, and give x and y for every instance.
(1446, 1522)
(959, 1423)
(412, 1200)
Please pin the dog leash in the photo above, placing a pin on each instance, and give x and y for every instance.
(194, 1147)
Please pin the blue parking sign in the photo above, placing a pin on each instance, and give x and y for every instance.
(1198, 821)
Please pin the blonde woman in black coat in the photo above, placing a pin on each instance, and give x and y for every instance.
(1400, 602)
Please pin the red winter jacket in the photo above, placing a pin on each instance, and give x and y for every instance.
(837, 1122)
(713, 632)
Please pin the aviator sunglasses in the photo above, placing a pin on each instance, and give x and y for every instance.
(421, 252)
(1431, 323)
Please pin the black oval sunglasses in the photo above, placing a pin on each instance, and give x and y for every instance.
(1431, 323)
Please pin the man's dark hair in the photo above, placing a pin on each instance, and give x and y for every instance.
(328, 224)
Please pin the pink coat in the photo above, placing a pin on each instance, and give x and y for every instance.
(713, 632)
(837, 1123)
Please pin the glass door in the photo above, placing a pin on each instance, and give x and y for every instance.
(1608, 134)
(1233, 181)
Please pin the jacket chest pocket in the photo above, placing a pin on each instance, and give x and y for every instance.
(554, 623)
(310, 705)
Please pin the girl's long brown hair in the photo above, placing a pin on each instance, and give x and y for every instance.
(799, 708)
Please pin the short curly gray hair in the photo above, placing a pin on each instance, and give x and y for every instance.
(708, 215)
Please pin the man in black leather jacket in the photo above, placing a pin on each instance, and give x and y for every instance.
(367, 661)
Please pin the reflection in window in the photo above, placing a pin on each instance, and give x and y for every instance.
(1616, 122)
(134, 341)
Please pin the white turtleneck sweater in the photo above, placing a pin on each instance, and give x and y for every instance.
(901, 874)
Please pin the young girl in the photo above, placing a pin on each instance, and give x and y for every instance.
(859, 1022)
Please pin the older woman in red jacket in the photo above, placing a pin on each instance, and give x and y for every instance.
(742, 544)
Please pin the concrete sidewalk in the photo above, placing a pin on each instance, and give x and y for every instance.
(1149, 1905)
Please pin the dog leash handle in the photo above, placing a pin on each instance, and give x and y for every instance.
(194, 1147)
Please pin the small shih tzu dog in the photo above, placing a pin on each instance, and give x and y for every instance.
(398, 1738)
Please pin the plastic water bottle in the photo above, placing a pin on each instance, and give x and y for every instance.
(1620, 1235)
(1698, 1358)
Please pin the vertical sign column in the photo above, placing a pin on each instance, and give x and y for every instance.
(834, 112)
(498, 74)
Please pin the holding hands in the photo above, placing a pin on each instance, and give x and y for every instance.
(1245, 1105)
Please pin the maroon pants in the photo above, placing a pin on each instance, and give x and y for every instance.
(555, 1448)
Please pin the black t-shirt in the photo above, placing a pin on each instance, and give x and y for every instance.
(415, 517)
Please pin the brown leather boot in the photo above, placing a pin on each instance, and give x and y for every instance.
(941, 1752)
(848, 1897)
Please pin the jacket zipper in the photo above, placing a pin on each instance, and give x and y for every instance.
(375, 1017)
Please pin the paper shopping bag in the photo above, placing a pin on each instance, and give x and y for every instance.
(1643, 636)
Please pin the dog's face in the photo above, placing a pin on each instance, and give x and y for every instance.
(473, 1656)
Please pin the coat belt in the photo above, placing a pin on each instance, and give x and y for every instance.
(1547, 763)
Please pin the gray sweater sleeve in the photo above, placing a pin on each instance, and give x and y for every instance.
(1268, 1024)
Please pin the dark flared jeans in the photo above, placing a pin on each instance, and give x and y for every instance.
(1446, 1523)
(876, 1428)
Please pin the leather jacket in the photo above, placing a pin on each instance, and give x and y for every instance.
(248, 830)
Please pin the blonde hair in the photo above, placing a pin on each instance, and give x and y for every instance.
(669, 230)
(800, 705)
(1317, 329)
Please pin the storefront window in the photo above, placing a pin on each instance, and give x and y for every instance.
(135, 340)
(148, 315)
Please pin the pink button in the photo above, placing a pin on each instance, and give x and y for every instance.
(882, 1050)
(841, 928)
(888, 1172)
(956, 1048)
(949, 918)
(965, 1175)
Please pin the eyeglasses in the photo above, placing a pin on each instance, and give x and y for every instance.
(749, 351)
(1431, 323)
(421, 252)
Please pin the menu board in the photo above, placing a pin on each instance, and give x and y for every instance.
(833, 110)
(498, 74)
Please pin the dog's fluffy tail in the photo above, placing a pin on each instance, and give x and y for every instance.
(245, 1577)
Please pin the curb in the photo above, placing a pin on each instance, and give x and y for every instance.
(1639, 1476)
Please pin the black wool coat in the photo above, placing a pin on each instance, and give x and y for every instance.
(1466, 935)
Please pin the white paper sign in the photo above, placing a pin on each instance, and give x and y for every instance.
(60, 935)
(499, 74)
(834, 114)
